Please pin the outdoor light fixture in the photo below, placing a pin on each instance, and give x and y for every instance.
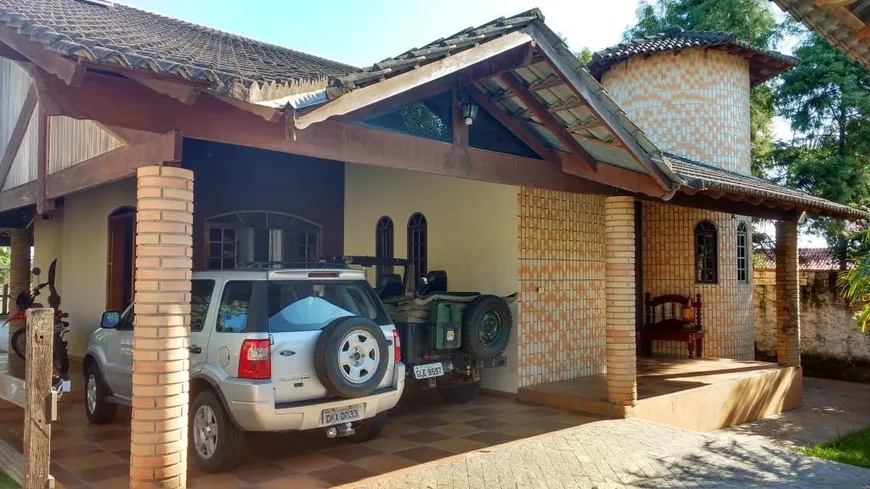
(469, 109)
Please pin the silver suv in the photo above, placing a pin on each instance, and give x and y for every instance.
(270, 350)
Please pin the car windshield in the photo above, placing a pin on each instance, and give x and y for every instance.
(311, 305)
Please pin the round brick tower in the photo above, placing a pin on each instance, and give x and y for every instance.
(689, 92)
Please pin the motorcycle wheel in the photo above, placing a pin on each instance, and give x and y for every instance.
(61, 358)
(19, 342)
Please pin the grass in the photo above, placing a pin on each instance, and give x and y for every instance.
(852, 449)
(6, 482)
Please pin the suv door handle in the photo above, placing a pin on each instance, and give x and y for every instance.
(194, 349)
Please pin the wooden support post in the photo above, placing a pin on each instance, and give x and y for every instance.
(43, 205)
(37, 414)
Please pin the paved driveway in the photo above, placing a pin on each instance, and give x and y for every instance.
(635, 453)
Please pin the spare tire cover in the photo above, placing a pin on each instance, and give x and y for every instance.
(486, 327)
(351, 357)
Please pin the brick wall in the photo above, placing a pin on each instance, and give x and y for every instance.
(694, 104)
(561, 329)
(828, 325)
(668, 268)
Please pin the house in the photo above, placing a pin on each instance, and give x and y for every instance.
(134, 158)
(809, 260)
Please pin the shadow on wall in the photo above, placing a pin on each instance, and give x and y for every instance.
(828, 326)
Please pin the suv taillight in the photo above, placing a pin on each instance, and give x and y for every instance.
(397, 347)
(255, 360)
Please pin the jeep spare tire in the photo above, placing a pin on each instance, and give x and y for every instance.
(486, 327)
(351, 357)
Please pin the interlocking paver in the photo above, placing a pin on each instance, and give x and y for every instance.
(631, 453)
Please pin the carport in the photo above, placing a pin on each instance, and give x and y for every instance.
(542, 124)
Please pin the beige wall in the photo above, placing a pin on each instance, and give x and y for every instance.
(77, 236)
(694, 104)
(472, 230)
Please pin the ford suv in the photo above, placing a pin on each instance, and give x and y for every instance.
(270, 350)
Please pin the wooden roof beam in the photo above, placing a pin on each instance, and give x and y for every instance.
(561, 62)
(540, 111)
(67, 70)
(185, 94)
(391, 87)
(18, 133)
(833, 3)
(512, 125)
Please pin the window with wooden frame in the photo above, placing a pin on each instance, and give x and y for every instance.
(742, 260)
(384, 244)
(706, 253)
(418, 252)
(273, 239)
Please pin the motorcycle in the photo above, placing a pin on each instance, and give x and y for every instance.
(26, 301)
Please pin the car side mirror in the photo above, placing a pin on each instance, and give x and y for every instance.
(110, 319)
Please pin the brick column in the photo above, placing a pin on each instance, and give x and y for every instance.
(788, 300)
(164, 227)
(19, 266)
(621, 352)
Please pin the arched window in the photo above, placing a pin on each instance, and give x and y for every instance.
(742, 261)
(261, 238)
(706, 258)
(417, 245)
(384, 243)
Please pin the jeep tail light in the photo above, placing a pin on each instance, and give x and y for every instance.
(255, 360)
(397, 347)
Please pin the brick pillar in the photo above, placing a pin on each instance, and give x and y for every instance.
(788, 300)
(19, 266)
(164, 227)
(621, 352)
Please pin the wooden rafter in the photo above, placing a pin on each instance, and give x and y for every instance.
(184, 93)
(213, 120)
(509, 59)
(543, 115)
(128, 136)
(115, 165)
(833, 3)
(67, 70)
(393, 86)
(512, 125)
(18, 134)
(558, 58)
(43, 138)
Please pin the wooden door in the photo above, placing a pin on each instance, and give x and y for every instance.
(120, 267)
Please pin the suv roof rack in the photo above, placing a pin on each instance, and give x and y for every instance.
(283, 265)
(368, 261)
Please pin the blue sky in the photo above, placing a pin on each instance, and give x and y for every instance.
(363, 32)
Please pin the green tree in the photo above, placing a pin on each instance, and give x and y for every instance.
(827, 99)
(750, 20)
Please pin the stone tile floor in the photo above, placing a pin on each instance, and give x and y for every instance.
(425, 430)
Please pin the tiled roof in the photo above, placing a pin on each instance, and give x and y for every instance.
(124, 37)
(705, 177)
(808, 259)
(764, 64)
(838, 24)
(441, 48)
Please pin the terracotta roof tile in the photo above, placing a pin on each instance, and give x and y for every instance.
(126, 37)
(808, 259)
(764, 64)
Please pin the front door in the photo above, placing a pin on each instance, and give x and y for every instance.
(122, 243)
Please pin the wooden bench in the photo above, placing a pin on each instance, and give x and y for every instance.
(664, 322)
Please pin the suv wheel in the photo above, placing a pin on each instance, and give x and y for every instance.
(351, 356)
(97, 406)
(216, 441)
(370, 428)
(461, 394)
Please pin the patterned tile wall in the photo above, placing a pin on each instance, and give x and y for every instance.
(668, 268)
(694, 104)
(561, 324)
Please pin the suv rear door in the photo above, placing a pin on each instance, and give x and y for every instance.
(297, 310)
(202, 312)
